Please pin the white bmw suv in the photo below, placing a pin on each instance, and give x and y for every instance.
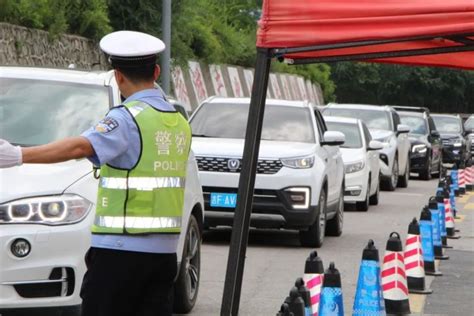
(46, 210)
(300, 173)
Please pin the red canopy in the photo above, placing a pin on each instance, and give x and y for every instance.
(431, 33)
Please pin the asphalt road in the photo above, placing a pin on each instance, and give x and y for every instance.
(275, 258)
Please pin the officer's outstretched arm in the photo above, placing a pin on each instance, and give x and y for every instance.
(61, 150)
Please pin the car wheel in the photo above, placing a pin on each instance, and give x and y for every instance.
(187, 284)
(426, 174)
(403, 179)
(374, 199)
(364, 205)
(334, 225)
(314, 235)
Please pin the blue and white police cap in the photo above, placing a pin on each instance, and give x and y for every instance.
(131, 49)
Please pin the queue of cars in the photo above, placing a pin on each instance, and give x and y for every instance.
(311, 163)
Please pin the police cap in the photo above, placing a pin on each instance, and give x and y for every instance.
(128, 49)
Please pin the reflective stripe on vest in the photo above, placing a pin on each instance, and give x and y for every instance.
(137, 222)
(142, 183)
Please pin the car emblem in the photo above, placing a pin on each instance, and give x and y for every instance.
(233, 164)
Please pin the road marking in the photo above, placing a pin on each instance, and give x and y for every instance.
(468, 206)
(417, 302)
(460, 219)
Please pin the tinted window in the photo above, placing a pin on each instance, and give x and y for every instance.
(416, 123)
(35, 112)
(281, 123)
(351, 131)
(374, 119)
(447, 124)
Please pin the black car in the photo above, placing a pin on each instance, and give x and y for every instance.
(469, 127)
(456, 145)
(426, 147)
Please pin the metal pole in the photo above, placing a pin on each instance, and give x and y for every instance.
(240, 229)
(166, 55)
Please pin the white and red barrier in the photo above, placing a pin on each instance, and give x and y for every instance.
(394, 280)
(313, 278)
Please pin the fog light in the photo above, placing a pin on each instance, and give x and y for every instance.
(299, 197)
(20, 248)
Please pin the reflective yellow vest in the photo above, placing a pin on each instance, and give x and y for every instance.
(149, 197)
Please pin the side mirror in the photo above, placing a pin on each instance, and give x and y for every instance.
(402, 128)
(333, 138)
(435, 134)
(375, 145)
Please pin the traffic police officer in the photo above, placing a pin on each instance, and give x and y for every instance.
(142, 147)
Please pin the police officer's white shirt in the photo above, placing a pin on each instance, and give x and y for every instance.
(116, 142)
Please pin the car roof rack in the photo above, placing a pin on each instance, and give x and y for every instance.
(420, 109)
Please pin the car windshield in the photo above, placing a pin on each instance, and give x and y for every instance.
(416, 123)
(374, 119)
(351, 131)
(447, 124)
(35, 112)
(469, 125)
(281, 123)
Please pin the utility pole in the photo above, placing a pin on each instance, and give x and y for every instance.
(166, 56)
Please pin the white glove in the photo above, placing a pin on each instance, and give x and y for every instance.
(10, 155)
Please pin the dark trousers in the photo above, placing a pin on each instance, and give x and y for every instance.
(128, 283)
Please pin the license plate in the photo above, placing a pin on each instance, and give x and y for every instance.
(223, 200)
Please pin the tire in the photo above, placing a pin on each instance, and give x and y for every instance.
(426, 174)
(374, 199)
(314, 235)
(390, 184)
(364, 205)
(186, 287)
(403, 180)
(334, 226)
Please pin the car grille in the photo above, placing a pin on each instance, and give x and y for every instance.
(217, 164)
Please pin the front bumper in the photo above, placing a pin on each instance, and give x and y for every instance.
(51, 274)
(356, 186)
(418, 162)
(271, 209)
(387, 156)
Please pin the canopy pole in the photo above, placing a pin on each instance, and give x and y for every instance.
(240, 229)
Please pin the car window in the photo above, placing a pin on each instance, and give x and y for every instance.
(447, 124)
(351, 132)
(469, 125)
(396, 120)
(417, 124)
(374, 119)
(280, 123)
(321, 123)
(36, 112)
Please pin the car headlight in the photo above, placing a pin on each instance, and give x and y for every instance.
(457, 144)
(47, 210)
(419, 149)
(354, 167)
(298, 163)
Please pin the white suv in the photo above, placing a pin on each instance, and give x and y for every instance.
(46, 210)
(300, 173)
(385, 126)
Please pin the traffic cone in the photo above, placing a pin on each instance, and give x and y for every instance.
(413, 259)
(462, 178)
(428, 238)
(295, 302)
(449, 216)
(439, 224)
(469, 176)
(394, 280)
(454, 179)
(305, 295)
(369, 297)
(442, 219)
(313, 278)
(285, 310)
(331, 296)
